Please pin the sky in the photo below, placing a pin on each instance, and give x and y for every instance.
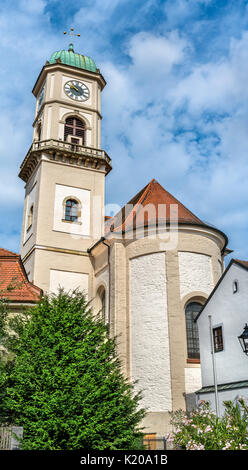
(175, 107)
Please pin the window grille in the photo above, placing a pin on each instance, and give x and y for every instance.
(191, 312)
(74, 127)
(218, 339)
(71, 210)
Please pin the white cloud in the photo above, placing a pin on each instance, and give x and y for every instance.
(156, 54)
(165, 115)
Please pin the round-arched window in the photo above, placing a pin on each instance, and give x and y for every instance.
(101, 302)
(71, 210)
(76, 128)
(191, 312)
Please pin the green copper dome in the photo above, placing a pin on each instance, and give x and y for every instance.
(75, 60)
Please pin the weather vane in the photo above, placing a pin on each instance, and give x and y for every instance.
(71, 33)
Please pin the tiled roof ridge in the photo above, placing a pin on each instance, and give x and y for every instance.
(180, 203)
(14, 282)
(144, 193)
(133, 213)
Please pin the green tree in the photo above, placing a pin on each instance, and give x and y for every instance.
(66, 387)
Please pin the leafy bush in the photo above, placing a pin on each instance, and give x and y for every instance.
(202, 430)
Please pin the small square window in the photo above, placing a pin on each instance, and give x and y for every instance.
(218, 339)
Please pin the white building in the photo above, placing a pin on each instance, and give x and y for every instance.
(227, 306)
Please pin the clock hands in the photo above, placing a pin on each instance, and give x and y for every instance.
(75, 88)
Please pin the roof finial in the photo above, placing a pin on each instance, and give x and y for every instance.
(71, 34)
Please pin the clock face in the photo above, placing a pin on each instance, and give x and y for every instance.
(76, 90)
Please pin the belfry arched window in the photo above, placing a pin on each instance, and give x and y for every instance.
(71, 210)
(30, 217)
(75, 128)
(101, 302)
(191, 311)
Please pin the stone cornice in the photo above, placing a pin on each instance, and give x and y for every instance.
(64, 153)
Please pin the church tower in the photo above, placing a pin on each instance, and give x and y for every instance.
(64, 171)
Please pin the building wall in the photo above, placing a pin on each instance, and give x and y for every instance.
(55, 236)
(147, 313)
(229, 311)
(149, 345)
(223, 396)
(195, 273)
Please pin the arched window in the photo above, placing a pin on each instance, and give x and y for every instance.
(75, 128)
(71, 210)
(39, 132)
(191, 312)
(103, 302)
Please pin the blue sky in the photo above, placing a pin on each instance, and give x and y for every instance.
(175, 107)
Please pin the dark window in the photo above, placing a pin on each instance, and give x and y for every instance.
(191, 312)
(71, 210)
(39, 132)
(218, 339)
(235, 287)
(30, 217)
(103, 302)
(74, 127)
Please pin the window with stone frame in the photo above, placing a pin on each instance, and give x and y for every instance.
(71, 210)
(191, 312)
(76, 128)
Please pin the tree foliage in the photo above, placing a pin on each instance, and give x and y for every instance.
(65, 386)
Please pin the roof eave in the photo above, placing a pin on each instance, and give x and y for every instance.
(59, 65)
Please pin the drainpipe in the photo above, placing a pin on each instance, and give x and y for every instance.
(214, 367)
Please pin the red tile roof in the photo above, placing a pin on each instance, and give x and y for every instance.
(153, 194)
(14, 284)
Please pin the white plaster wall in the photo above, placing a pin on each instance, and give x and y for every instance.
(82, 227)
(68, 280)
(223, 396)
(192, 379)
(49, 122)
(229, 311)
(195, 272)
(150, 355)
